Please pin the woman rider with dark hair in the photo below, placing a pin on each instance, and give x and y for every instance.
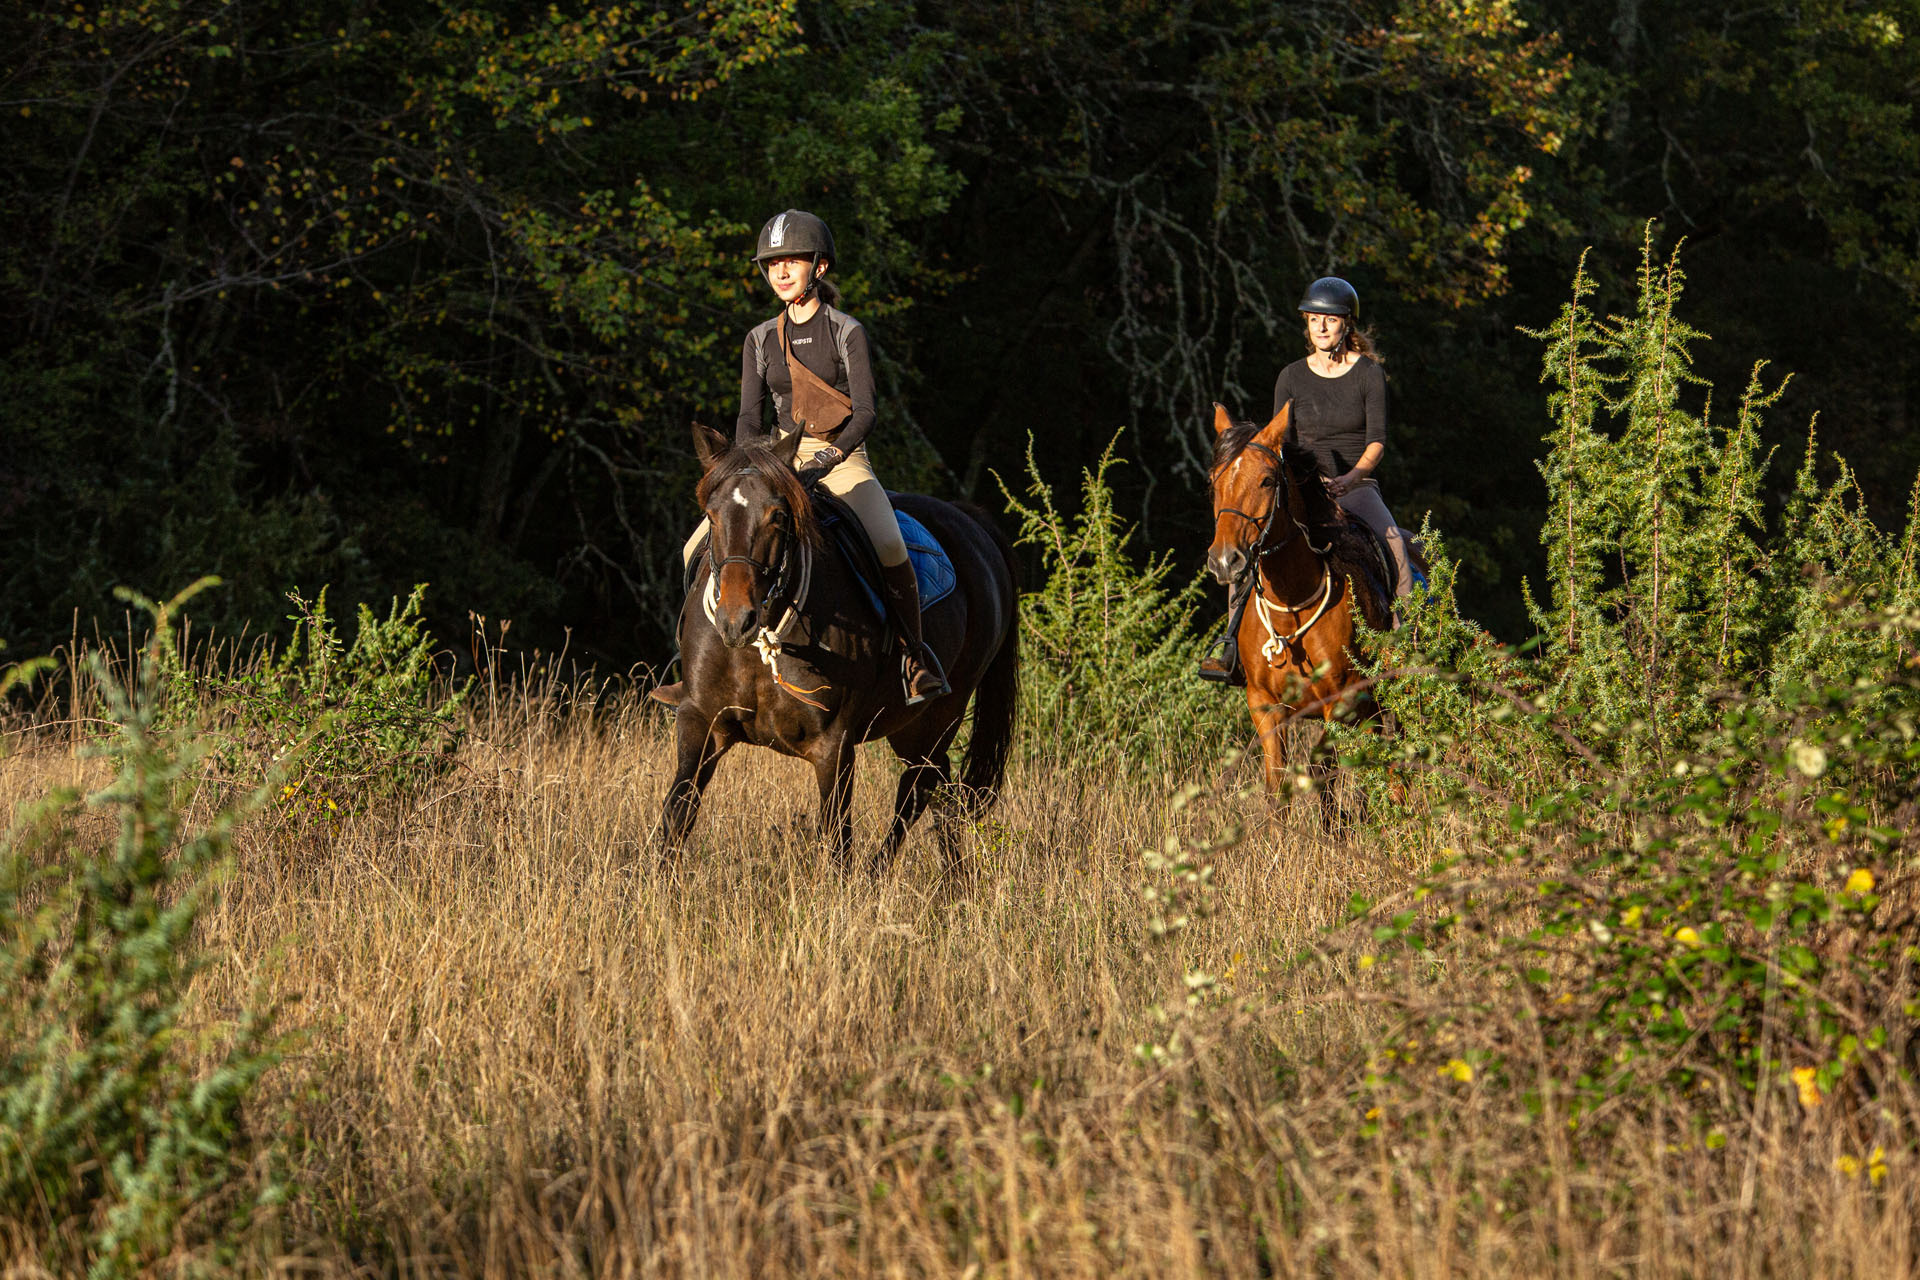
(812, 359)
(1339, 397)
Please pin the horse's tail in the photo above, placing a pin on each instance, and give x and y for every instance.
(998, 693)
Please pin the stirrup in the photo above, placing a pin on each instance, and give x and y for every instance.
(1221, 665)
(916, 668)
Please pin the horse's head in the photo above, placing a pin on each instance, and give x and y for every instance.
(757, 510)
(1252, 490)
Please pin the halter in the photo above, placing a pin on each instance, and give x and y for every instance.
(1277, 641)
(770, 639)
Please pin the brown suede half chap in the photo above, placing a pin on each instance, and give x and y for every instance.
(818, 408)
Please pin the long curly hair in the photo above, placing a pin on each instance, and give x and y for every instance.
(1357, 339)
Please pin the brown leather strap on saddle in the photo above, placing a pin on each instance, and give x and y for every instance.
(818, 408)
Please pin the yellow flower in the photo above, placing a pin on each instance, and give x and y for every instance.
(1848, 1165)
(1686, 937)
(1631, 920)
(1373, 1113)
(1877, 1165)
(1459, 1069)
(1809, 1087)
(1861, 881)
(1366, 962)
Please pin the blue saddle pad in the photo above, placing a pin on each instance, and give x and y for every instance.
(932, 567)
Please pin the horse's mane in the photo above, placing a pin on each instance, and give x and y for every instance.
(1352, 549)
(1233, 442)
(757, 457)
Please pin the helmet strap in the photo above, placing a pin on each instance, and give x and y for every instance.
(813, 281)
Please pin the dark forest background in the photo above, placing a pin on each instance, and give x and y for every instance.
(371, 294)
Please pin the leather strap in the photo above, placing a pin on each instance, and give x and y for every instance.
(819, 408)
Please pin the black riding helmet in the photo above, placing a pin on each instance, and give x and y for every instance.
(796, 234)
(1331, 296)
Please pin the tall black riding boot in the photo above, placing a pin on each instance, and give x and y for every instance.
(924, 678)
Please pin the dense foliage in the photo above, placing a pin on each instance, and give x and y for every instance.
(1679, 878)
(365, 297)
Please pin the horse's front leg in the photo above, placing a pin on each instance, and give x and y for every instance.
(833, 757)
(1270, 717)
(700, 749)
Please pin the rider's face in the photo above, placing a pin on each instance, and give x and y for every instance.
(1325, 331)
(789, 277)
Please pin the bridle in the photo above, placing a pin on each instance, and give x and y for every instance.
(1278, 641)
(778, 567)
(782, 594)
(1275, 478)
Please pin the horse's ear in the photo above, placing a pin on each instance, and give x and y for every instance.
(787, 448)
(1221, 421)
(1275, 431)
(710, 445)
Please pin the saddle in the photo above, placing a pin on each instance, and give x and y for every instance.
(932, 567)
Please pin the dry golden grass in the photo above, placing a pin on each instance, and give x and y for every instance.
(525, 1049)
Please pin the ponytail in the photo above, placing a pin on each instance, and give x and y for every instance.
(827, 291)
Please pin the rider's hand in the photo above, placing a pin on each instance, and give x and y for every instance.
(821, 463)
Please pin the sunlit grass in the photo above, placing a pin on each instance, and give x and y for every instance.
(526, 1048)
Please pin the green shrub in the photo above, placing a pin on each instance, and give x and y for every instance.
(1737, 926)
(346, 722)
(1676, 884)
(1668, 587)
(115, 1117)
(1110, 646)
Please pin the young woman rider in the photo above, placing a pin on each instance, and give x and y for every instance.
(812, 358)
(1339, 397)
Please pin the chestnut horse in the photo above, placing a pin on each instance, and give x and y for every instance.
(1313, 565)
(785, 650)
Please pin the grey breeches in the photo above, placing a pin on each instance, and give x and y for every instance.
(1364, 500)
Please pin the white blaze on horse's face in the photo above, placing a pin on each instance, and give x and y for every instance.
(744, 549)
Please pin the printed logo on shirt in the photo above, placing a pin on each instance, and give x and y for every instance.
(801, 342)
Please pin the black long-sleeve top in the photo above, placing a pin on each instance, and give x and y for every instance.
(1335, 418)
(832, 344)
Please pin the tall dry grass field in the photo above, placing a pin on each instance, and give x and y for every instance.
(526, 1049)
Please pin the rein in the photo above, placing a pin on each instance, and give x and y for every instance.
(770, 639)
(1278, 642)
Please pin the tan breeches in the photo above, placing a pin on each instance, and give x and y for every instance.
(1364, 500)
(854, 483)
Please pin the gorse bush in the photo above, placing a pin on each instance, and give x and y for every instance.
(1742, 922)
(1680, 890)
(1111, 645)
(344, 722)
(119, 1120)
(1667, 585)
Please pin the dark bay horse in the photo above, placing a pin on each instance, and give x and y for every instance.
(786, 651)
(1315, 567)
